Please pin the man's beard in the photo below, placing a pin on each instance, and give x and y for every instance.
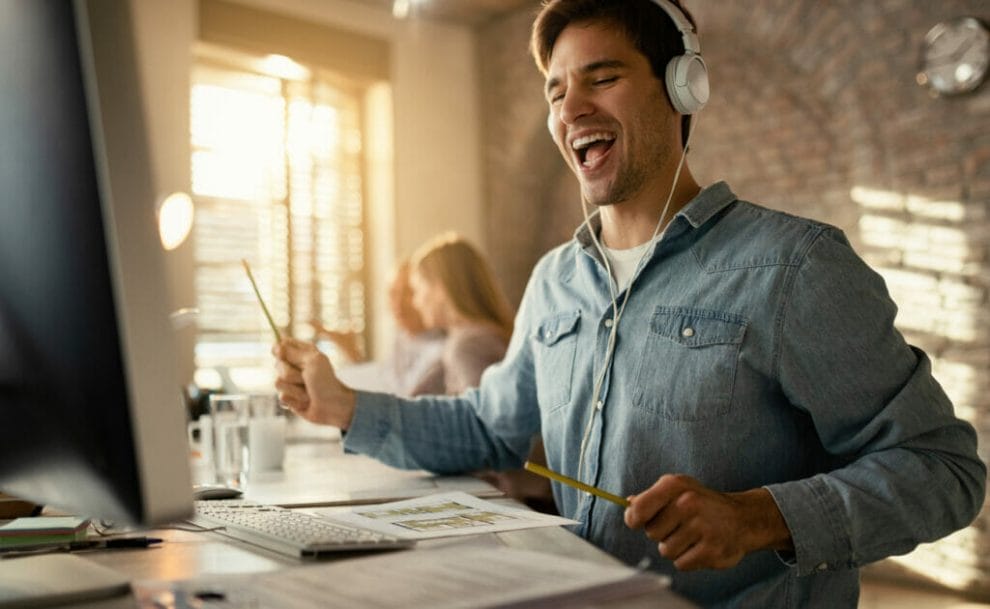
(629, 181)
(622, 188)
(632, 176)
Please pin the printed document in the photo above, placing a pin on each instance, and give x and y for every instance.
(443, 515)
(453, 576)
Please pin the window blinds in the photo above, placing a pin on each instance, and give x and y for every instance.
(277, 180)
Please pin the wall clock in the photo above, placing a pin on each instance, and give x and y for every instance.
(955, 56)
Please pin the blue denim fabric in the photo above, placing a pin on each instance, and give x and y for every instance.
(757, 349)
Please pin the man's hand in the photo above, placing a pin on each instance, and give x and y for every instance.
(307, 384)
(698, 528)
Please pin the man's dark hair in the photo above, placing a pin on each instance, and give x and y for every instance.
(647, 26)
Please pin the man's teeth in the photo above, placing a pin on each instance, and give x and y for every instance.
(587, 140)
(588, 148)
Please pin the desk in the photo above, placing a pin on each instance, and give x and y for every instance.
(319, 474)
(185, 555)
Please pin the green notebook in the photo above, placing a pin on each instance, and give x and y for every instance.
(42, 530)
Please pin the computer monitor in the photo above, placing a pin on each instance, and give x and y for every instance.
(92, 419)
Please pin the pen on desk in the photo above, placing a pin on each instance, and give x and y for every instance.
(594, 490)
(261, 301)
(128, 542)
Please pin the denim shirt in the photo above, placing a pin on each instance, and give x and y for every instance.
(756, 350)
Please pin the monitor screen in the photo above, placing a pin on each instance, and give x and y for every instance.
(91, 414)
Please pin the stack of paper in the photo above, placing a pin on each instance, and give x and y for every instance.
(42, 530)
(449, 577)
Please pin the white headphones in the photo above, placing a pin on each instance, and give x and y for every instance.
(687, 75)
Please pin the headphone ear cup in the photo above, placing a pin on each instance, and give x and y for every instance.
(687, 83)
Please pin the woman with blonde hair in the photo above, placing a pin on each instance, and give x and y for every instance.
(455, 291)
(415, 350)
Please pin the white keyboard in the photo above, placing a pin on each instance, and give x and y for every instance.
(286, 531)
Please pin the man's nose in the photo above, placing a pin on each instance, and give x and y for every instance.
(574, 105)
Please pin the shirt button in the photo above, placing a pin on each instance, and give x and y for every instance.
(548, 334)
(822, 566)
(687, 332)
(599, 405)
(608, 322)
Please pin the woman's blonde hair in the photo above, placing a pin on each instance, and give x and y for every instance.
(467, 278)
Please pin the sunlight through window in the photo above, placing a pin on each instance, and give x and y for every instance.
(922, 249)
(278, 178)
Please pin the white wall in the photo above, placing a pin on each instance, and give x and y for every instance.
(437, 130)
(437, 135)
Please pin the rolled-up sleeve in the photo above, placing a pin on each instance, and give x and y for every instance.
(907, 468)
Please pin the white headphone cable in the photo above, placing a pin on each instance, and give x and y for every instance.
(618, 311)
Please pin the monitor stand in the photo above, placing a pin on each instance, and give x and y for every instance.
(57, 579)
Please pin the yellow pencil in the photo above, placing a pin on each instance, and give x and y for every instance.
(268, 316)
(546, 473)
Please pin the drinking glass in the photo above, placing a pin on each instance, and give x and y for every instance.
(230, 414)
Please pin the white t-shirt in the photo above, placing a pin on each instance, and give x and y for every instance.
(624, 262)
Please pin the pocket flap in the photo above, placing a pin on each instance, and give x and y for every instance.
(553, 329)
(698, 327)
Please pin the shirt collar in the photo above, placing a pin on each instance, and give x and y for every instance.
(710, 201)
(583, 234)
(698, 211)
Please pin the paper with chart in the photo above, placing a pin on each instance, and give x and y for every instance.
(445, 515)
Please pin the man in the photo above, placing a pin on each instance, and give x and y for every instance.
(744, 383)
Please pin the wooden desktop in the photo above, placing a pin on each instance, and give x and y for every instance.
(344, 479)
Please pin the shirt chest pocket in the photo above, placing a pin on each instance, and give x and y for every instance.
(688, 365)
(555, 345)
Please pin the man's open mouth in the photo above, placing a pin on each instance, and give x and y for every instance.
(592, 147)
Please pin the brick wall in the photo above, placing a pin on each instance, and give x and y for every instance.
(815, 111)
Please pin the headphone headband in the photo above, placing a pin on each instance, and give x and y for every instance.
(688, 35)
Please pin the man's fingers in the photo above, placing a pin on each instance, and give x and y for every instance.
(678, 542)
(646, 505)
(661, 527)
(292, 350)
(292, 395)
(288, 373)
(694, 527)
(706, 555)
(691, 558)
(299, 408)
(643, 508)
(292, 391)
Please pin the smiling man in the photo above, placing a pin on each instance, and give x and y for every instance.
(734, 370)
(613, 125)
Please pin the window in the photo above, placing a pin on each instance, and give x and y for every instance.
(277, 180)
